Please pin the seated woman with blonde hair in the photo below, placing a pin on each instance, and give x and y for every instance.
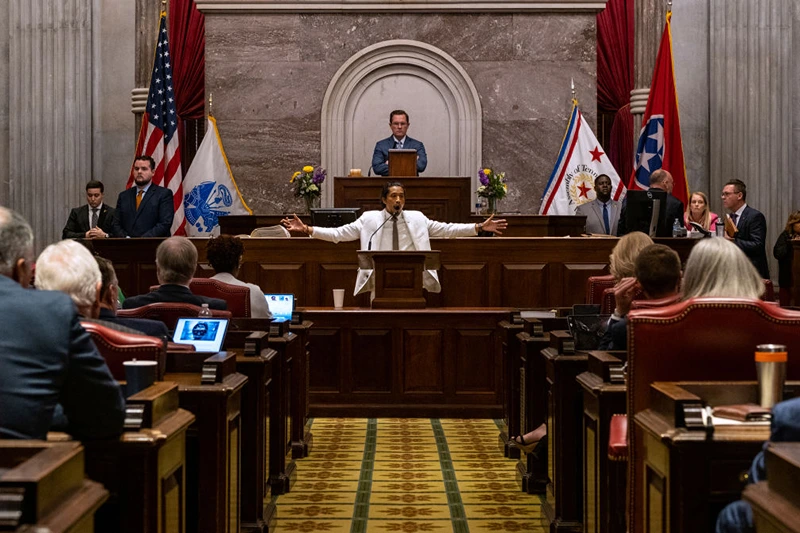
(623, 256)
(718, 268)
(698, 212)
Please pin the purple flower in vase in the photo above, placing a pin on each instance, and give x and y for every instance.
(484, 179)
(318, 176)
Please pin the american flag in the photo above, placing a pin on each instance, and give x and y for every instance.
(158, 136)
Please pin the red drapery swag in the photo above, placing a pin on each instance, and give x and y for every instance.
(615, 79)
(187, 38)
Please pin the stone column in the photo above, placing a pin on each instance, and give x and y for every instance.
(148, 13)
(649, 25)
(4, 84)
(49, 110)
(753, 117)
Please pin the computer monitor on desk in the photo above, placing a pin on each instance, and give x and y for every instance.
(333, 217)
(646, 211)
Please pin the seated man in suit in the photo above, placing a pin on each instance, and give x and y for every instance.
(602, 213)
(663, 180)
(658, 274)
(145, 210)
(47, 358)
(409, 230)
(176, 262)
(109, 298)
(399, 122)
(95, 220)
(751, 226)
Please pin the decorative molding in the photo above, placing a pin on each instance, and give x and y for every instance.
(139, 99)
(395, 6)
(390, 58)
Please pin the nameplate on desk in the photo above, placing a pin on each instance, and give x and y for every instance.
(562, 342)
(255, 342)
(278, 329)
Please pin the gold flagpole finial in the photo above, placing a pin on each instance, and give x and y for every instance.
(669, 6)
(572, 89)
(210, 104)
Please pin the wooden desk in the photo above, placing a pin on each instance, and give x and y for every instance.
(42, 487)
(776, 502)
(415, 363)
(213, 444)
(443, 199)
(145, 469)
(506, 335)
(476, 272)
(562, 508)
(604, 480)
(302, 438)
(282, 473)
(690, 472)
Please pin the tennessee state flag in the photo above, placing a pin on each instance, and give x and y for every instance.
(660, 143)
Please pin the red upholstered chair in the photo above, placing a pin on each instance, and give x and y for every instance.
(660, 302)
(168, 313)
(595, 285)
(237, 296)
(117, 347)
(700, 339)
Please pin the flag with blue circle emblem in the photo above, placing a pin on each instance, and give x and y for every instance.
(660, 143)
(211, 191)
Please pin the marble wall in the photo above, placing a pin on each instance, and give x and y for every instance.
(268, 73)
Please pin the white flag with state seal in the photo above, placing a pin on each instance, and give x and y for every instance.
(580, 161)
(211, 191)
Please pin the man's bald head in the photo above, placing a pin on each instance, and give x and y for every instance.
(661, 179)
(176, 261)
(16, 246)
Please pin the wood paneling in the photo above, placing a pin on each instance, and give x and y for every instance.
(525, 285)
(475, 371)
(423, 351)
(371, 354)
(472, 277)
(326, 345)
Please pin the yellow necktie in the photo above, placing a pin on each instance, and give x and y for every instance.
(139, 197)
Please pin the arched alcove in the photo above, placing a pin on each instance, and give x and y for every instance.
(442, 102)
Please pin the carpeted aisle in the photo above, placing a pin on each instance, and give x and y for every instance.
(406, 475)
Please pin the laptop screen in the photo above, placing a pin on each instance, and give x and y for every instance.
(281, 306)
(205, 334)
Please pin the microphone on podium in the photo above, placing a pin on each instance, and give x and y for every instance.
(392, 217)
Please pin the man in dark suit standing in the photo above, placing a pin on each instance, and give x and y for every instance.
(145, 210)
(47, 358)
(176, 261)
(399, 122)
(662, 180)
(751, 226)
(95, 220)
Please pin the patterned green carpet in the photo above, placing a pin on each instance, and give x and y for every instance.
(406, 475)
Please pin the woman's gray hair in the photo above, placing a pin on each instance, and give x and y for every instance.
(16, 240)
(718, 268)
(70, 268)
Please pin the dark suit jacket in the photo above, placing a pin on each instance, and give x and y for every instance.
(152, 219)
(751, 237)
(47, 358)
(674, 210)
(78, 222)
(153, 328)
(173, 294)
(381, 155)
(616, 336)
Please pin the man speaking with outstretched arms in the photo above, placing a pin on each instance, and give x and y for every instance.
(394, 228)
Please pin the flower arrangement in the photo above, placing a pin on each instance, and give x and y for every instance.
(308, 181)
(493, 184)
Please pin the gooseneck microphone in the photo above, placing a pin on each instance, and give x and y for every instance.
(392, 217)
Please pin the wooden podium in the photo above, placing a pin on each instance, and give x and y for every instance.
(398, 276)
(402, 163)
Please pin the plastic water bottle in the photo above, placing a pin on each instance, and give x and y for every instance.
(720, 229)
(205, 312)
(677, 228)
(484, 205)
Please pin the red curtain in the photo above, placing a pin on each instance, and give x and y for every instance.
(187, 38)
(615, 80)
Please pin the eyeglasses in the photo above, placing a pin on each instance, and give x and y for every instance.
(726, 194)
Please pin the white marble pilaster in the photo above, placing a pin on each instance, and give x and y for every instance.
(50, 110)
(752, 111)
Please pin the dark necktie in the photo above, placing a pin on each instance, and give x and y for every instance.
(734, 216)
(605, 219)
(395, 236)
(94, 218)
(398, 144)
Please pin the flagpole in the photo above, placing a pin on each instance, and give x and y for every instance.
(210, 104)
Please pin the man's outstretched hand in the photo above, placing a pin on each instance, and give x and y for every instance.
(494, 226)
